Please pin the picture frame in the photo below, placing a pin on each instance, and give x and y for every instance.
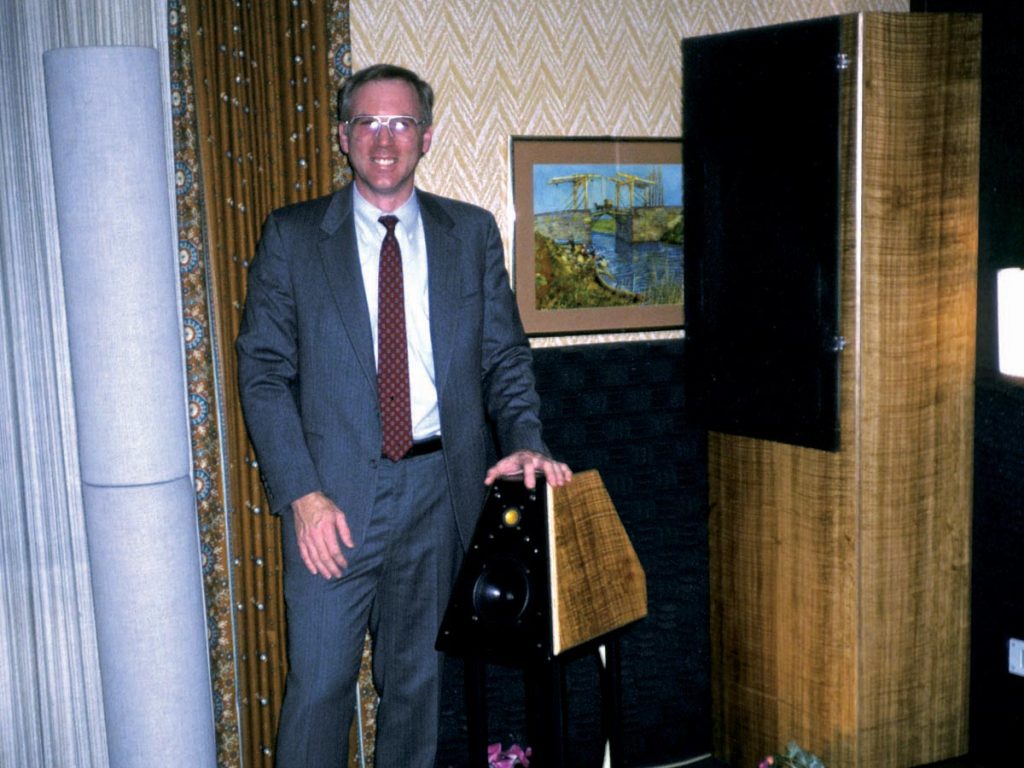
(597, 241)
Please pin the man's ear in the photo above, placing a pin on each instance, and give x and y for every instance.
(342, 138)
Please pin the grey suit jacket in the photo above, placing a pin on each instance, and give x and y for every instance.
(306, 367)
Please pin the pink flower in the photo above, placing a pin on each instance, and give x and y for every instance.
(513, 756)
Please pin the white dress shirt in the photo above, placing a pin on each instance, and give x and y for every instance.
(426, 420)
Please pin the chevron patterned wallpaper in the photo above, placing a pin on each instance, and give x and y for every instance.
(504, 68)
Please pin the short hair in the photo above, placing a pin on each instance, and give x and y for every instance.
(370, 74)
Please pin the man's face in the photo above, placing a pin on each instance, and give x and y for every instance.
(384, 166)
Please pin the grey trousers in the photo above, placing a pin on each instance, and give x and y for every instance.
(397, 585)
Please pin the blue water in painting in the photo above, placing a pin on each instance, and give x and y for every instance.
(632, 264)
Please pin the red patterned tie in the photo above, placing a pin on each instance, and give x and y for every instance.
(392, 353)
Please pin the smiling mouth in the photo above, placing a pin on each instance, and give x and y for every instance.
(384, 161)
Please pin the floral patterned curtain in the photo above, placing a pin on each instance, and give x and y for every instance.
(254, 127)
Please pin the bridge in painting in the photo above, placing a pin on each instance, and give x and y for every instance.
(637, 209)
(632, 225)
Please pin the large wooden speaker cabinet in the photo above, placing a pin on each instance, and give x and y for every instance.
(833, 341)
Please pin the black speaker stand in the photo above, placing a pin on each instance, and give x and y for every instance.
(547, 707)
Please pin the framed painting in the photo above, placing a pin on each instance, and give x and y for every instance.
(598, 237)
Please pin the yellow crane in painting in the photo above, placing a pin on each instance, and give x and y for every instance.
(633, 184)
(580, 188)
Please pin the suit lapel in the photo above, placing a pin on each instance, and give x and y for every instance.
(339, 255)
(444, 283)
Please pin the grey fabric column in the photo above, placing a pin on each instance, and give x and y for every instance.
(118, 257)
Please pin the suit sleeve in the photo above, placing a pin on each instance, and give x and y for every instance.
(267, 348)
(509, 389)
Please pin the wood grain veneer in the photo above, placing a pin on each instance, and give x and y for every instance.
(840, 581)
(597, 582)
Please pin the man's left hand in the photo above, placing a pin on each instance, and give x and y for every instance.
(528, 464)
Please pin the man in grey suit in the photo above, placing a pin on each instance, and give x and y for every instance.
(373, 534)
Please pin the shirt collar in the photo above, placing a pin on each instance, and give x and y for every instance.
(408, 212)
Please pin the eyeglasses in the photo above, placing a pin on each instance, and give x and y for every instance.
(399, 126)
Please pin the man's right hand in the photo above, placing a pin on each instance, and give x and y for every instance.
(319, 524)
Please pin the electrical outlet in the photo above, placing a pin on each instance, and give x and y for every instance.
(1016, 657)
